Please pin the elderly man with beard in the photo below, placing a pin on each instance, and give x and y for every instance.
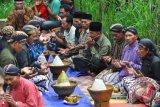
(20, 15)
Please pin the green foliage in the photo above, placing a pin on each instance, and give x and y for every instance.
(143, 14)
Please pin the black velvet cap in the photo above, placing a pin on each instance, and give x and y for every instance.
(95, 26)
(78, 15)
(49, 25)
(87, 16)
(11, 70)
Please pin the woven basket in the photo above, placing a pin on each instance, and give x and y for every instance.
(101, 98)
(64, 91)
(56, 70)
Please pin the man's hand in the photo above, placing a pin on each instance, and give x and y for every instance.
(90, 42)
(107, 59)
(63, 51)
(8, 98)
(70, 46)
(27, 70)
(131, 71)
(116, 63)
(61, 36)
(125, 64)
(58, 18)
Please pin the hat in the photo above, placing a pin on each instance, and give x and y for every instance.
(11, 70)
(18, 36)
(95, 26)
(78, 15)
(7, 30)
(132, 29)
(147, 43)
(29, 29)
(35, 23)
(49, 25)
(87, 16)
(116, 28)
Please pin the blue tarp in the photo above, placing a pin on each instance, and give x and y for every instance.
(51, 99)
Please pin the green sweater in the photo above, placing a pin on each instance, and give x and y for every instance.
(6, 57)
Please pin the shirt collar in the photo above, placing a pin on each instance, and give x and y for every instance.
(99, 41)
(71, 30)
(134, 44)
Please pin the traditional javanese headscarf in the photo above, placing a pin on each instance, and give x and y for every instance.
(147, 43)
(117, 28)
(18, 36)
(7, 32)
(11, 69)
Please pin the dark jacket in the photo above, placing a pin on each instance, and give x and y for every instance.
(23, 58)
(151, 67)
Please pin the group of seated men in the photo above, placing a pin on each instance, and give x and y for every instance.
(130, 64)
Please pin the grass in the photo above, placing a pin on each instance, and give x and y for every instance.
(143, 14)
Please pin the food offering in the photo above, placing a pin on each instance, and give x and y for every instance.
(72, 99)
(100, 93)
(63, 86)
(63, 80)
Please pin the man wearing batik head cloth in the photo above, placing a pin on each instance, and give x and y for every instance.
(6, 33)
(20, 92)
(20, 15)
(98, 46)
(15, 44)
(117, 32)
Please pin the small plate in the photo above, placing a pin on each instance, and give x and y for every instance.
(70, 103)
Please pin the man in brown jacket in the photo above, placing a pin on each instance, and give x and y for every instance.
(20, 15)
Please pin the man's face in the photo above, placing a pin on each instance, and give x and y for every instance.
(77, 22)
(130, 37)
(11, 80)
(19, 45)
(38, 2)
(117, 36)
(63, 13)
(19, 5)
(33, 37)
(94, 35)
(85, 23)
(65, 25)
(142, 51)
